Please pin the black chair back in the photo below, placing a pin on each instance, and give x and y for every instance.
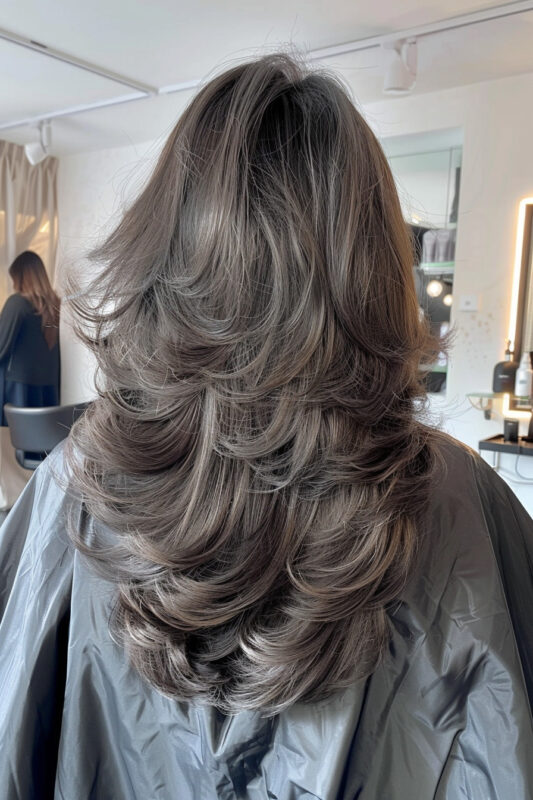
(35, 432)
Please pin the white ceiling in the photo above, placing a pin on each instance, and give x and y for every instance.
(164, 42)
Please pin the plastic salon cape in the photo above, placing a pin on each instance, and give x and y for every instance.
(446, 715)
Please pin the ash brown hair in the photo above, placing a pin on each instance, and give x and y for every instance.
(30, 279)
(254, 464)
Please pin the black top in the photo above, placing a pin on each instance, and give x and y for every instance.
(24, 352)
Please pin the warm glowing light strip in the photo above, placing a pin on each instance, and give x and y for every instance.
(512, 413)
(527, 201)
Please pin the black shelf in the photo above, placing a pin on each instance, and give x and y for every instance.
(497, 444)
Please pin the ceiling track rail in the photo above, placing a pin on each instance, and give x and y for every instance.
(141, 91)
(73, 61)
(450, 24)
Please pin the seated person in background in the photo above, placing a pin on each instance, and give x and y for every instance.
(29, 358)
(312, 593)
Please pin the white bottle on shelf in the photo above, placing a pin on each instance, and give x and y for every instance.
(524, 377)
(429, 240)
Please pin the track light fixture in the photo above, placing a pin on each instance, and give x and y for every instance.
(400, 66)
(37, 151)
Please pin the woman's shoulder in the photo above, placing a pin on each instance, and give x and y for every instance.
(461, 470)
(464, 476)
(472, 514)
(16, 303)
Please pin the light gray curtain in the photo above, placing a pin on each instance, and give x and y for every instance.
(28, 210)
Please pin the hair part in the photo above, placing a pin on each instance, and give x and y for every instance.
(31, 280)
(254, 464)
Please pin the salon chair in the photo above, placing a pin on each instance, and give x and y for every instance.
(35, 432)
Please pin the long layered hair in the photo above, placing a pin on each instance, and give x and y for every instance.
(30, 279)
(254, 466)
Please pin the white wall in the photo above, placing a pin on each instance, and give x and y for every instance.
(497, 170)
(93, 189)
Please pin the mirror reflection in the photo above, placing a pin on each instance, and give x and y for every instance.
(428, 177)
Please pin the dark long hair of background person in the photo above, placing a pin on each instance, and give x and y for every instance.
(254, 459)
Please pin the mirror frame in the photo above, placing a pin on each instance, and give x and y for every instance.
(522, 280)
(522, 284)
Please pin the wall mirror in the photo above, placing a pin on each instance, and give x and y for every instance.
(427, 171)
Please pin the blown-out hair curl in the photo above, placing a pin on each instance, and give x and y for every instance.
(253, 464)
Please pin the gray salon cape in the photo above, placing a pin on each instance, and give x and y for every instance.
(446, 715)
